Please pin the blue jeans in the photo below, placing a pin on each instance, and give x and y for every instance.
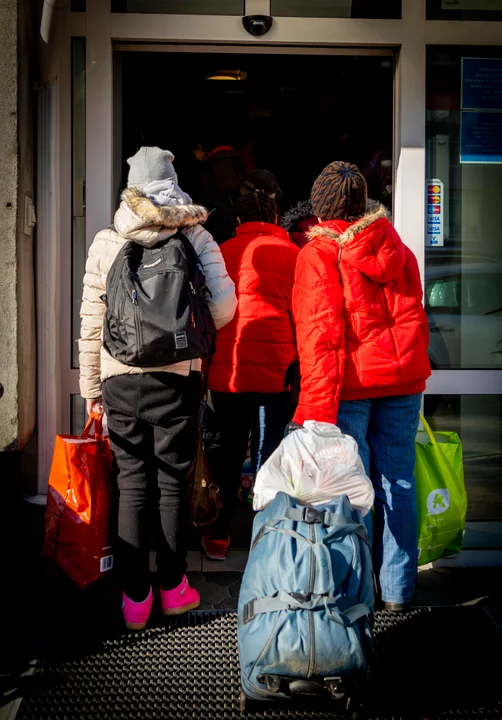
(385, 429)
(264, 428)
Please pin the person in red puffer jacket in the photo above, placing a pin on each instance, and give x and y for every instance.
(255, 352)
(362, 337)
(298, 220)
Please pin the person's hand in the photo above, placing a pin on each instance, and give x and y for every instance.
(292, 427)
(94, 406)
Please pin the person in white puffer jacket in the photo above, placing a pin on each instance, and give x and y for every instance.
(151, 412)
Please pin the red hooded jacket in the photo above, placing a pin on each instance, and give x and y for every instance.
(298, 220)
(361, 328)
(254, 351)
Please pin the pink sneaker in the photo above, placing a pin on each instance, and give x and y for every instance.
(136, 614)
(215, 549)
(179, 600)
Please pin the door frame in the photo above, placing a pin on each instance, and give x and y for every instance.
(406, 38)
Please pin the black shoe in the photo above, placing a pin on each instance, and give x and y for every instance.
(395, 607)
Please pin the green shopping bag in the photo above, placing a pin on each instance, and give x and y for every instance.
(441, 495)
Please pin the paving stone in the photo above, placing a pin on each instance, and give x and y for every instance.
(223, 578)
(235, 589)
(211, 592)
(205, 606)
(195, 578)
(236, 561)
(456, 586)
(228, 604)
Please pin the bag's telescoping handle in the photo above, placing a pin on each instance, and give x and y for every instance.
(97, 421)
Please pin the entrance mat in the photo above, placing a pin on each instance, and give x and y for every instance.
(433, 663)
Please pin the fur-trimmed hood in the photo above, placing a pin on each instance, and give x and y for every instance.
(300, 211)
(140, 220)
(371, 244)
(333, 228)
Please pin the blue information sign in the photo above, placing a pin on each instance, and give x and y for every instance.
(481, 84)
(481, 137)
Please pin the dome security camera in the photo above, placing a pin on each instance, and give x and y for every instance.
(257, 25)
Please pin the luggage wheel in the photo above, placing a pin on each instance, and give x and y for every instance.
(336, 688)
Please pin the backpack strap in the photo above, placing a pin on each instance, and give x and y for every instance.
(339, 523)
(189, 248)
(192, 254)
(310, 515)
(299, 601)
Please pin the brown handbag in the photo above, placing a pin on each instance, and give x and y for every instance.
(205, 495)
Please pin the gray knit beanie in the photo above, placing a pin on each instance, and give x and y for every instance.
(150, 164)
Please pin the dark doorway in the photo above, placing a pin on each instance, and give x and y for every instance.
(291, 114)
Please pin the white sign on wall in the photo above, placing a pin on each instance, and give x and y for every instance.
(434, 214)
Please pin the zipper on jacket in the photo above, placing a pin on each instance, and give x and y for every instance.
(313, 561)
(192, 309)
(115, 304)
(137, 321)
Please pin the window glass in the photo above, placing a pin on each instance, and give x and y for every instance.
(78, 189)
(487, 10)
(180, 7)
(463, 265)
(77, 421)
(478, 421)
(337, 8)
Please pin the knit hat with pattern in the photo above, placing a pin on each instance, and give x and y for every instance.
(339, 193)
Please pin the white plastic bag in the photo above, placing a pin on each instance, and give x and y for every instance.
(315, 464)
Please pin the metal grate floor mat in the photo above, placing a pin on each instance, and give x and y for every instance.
(434, 663)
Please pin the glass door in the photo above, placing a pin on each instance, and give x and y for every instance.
(94, 131)
(78, 244)
(463, 262)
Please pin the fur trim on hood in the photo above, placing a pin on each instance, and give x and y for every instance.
(349, 234)
(170, 217)
(300, 211)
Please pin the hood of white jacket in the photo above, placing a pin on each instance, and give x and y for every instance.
(140, 220)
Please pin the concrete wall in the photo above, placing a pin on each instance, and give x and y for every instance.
(17, 308)
(27, 362)
(9, 171)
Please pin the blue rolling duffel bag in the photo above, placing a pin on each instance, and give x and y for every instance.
(306, 603)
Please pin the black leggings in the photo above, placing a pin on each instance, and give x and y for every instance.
(235, 413)
(152, 424)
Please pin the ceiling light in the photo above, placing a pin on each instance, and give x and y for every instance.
(228, 75)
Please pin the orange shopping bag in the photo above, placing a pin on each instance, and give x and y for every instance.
(78, 505)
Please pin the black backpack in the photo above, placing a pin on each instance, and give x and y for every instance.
(156, 307)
